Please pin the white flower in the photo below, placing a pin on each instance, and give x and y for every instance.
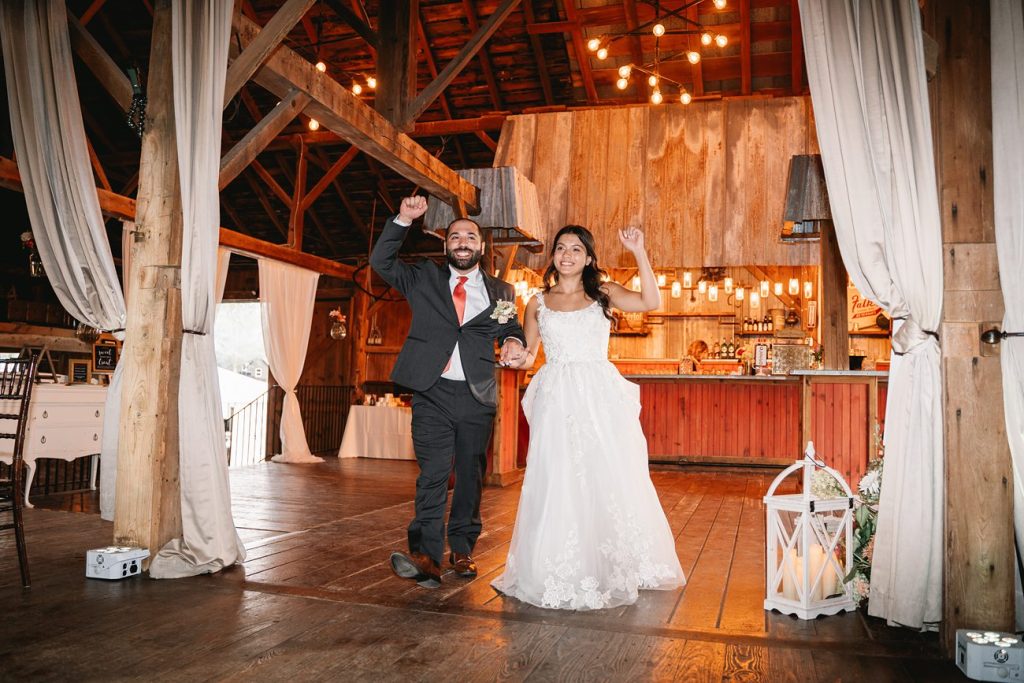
(871, 484)
(503, 311)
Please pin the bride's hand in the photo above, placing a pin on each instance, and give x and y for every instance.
(632, 239)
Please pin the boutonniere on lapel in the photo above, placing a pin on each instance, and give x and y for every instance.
(503, 311)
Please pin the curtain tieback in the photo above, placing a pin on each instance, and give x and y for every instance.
(911, 335)
(199, 332)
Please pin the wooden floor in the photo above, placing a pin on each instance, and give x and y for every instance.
(315, 600)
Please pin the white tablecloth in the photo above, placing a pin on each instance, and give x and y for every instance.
(378, 432)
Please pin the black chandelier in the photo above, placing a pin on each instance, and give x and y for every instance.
(672, 22)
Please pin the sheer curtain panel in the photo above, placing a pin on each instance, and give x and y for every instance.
(287, 294)
(866, 71)
(60, 192)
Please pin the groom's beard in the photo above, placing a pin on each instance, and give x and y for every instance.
(464, 262)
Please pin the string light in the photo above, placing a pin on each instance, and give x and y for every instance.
(719, 4)
(727, 285)
(713, 293)
(593, 44)
(702, 286)
(677, 290)
(652, 80)
(685, 98)
(602, 53)
(313, 124)
(706, 39)
(625, 70)
(794, 286)
(321, 67)
(693, 57)
(622, 83)
(658, 30)
(356, 88)
(371, 82)
(808, 289)
(656, 97)
(740, 293)
(721, 40)
(688, 279)
(778, 289)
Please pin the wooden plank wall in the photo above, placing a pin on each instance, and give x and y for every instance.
(722, 421)
(842, 425)
(706, 181)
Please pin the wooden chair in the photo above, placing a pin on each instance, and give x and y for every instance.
(16, 380)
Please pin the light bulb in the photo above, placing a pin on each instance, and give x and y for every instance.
(693, 57)
(593, 44)
(808, 289)
(685, 98)
(602, 53)
(755, 300)
(778, 289)
(794, 286)
(662, 279)
(656, 97)
(688, 279)
(677, 290)
(702, 286)
(652, 80)
(622, 83)
(727, 285)
(371, 82)
(740, 293)
(720, 4)
(636, 283)
(721, 40)
(321, 67)
(706, 38)
(625, 70)
(713, 293)
(313, 124)
(765, 289)
(356, 88)
(658, 30)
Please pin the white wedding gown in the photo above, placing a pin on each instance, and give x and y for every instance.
(590, 531)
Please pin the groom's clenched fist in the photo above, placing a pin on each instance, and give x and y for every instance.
(412, 208)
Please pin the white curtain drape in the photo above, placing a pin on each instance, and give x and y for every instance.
(199, 51)
(866, 70)
(1008, 194)
(223, 263)
(287, 295)
(60, 192)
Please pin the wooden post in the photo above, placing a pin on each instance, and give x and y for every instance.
(835, 330)
(396, 57)
(505, 438)
(148, 507)
(978, 570)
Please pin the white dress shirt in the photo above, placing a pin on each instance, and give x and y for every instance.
(476, 302)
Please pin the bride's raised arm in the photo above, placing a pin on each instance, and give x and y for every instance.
(648, 298)
(532, 332)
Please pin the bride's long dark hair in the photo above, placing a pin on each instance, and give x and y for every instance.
(591, 272)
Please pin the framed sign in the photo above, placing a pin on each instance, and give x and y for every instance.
(79, 371)
(864, 315)
(104, 357)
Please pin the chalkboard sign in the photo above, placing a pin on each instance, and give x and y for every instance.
(79, 372)
(104, 357)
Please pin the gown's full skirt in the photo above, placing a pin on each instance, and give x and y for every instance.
(590, 531)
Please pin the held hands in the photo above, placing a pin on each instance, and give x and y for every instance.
(632, 239)
(412, 208)
(513, 355)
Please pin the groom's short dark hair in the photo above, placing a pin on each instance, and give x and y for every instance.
(457, 220)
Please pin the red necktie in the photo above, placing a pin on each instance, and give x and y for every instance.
(459, 299)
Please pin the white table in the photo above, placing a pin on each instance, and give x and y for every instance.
(378, 432)
(64, 422)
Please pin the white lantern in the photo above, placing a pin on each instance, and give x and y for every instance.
(810, 546)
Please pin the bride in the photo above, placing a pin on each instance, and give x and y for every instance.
(590, 531)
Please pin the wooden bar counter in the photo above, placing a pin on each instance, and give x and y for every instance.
(753, 420)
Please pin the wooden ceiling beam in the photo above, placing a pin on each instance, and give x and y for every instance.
(487, 140)
(121, 207)
(695, 69)
(100, 64)
(582, 55)
(459, 62)
(357, 219)
(396, 61)
(261, 46)
(294, 178)
(328, 177)
(636, 52)
(271, 183)
(298, 213)
(339, 110)
(357, 23)
(261, 135)
(538, 55)
(796, 71)
(97, 167)
(469, 6)
(428, 54)
(488, 123)
(91, 11)
(264, 200)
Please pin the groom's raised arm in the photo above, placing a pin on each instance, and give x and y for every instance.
(384, 257)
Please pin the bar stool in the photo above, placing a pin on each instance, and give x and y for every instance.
(16, 380)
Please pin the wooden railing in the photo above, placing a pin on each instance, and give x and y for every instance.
(324, 411)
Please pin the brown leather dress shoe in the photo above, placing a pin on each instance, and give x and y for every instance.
(418, 567)
(463, 565)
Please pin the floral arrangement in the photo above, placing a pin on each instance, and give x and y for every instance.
(28, 240)
(337, 316)
(503, 311)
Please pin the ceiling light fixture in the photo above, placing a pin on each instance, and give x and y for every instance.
(660, 27)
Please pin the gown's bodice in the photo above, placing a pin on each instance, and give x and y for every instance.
(573, 336)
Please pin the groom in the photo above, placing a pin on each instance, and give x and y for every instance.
(458, 311)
